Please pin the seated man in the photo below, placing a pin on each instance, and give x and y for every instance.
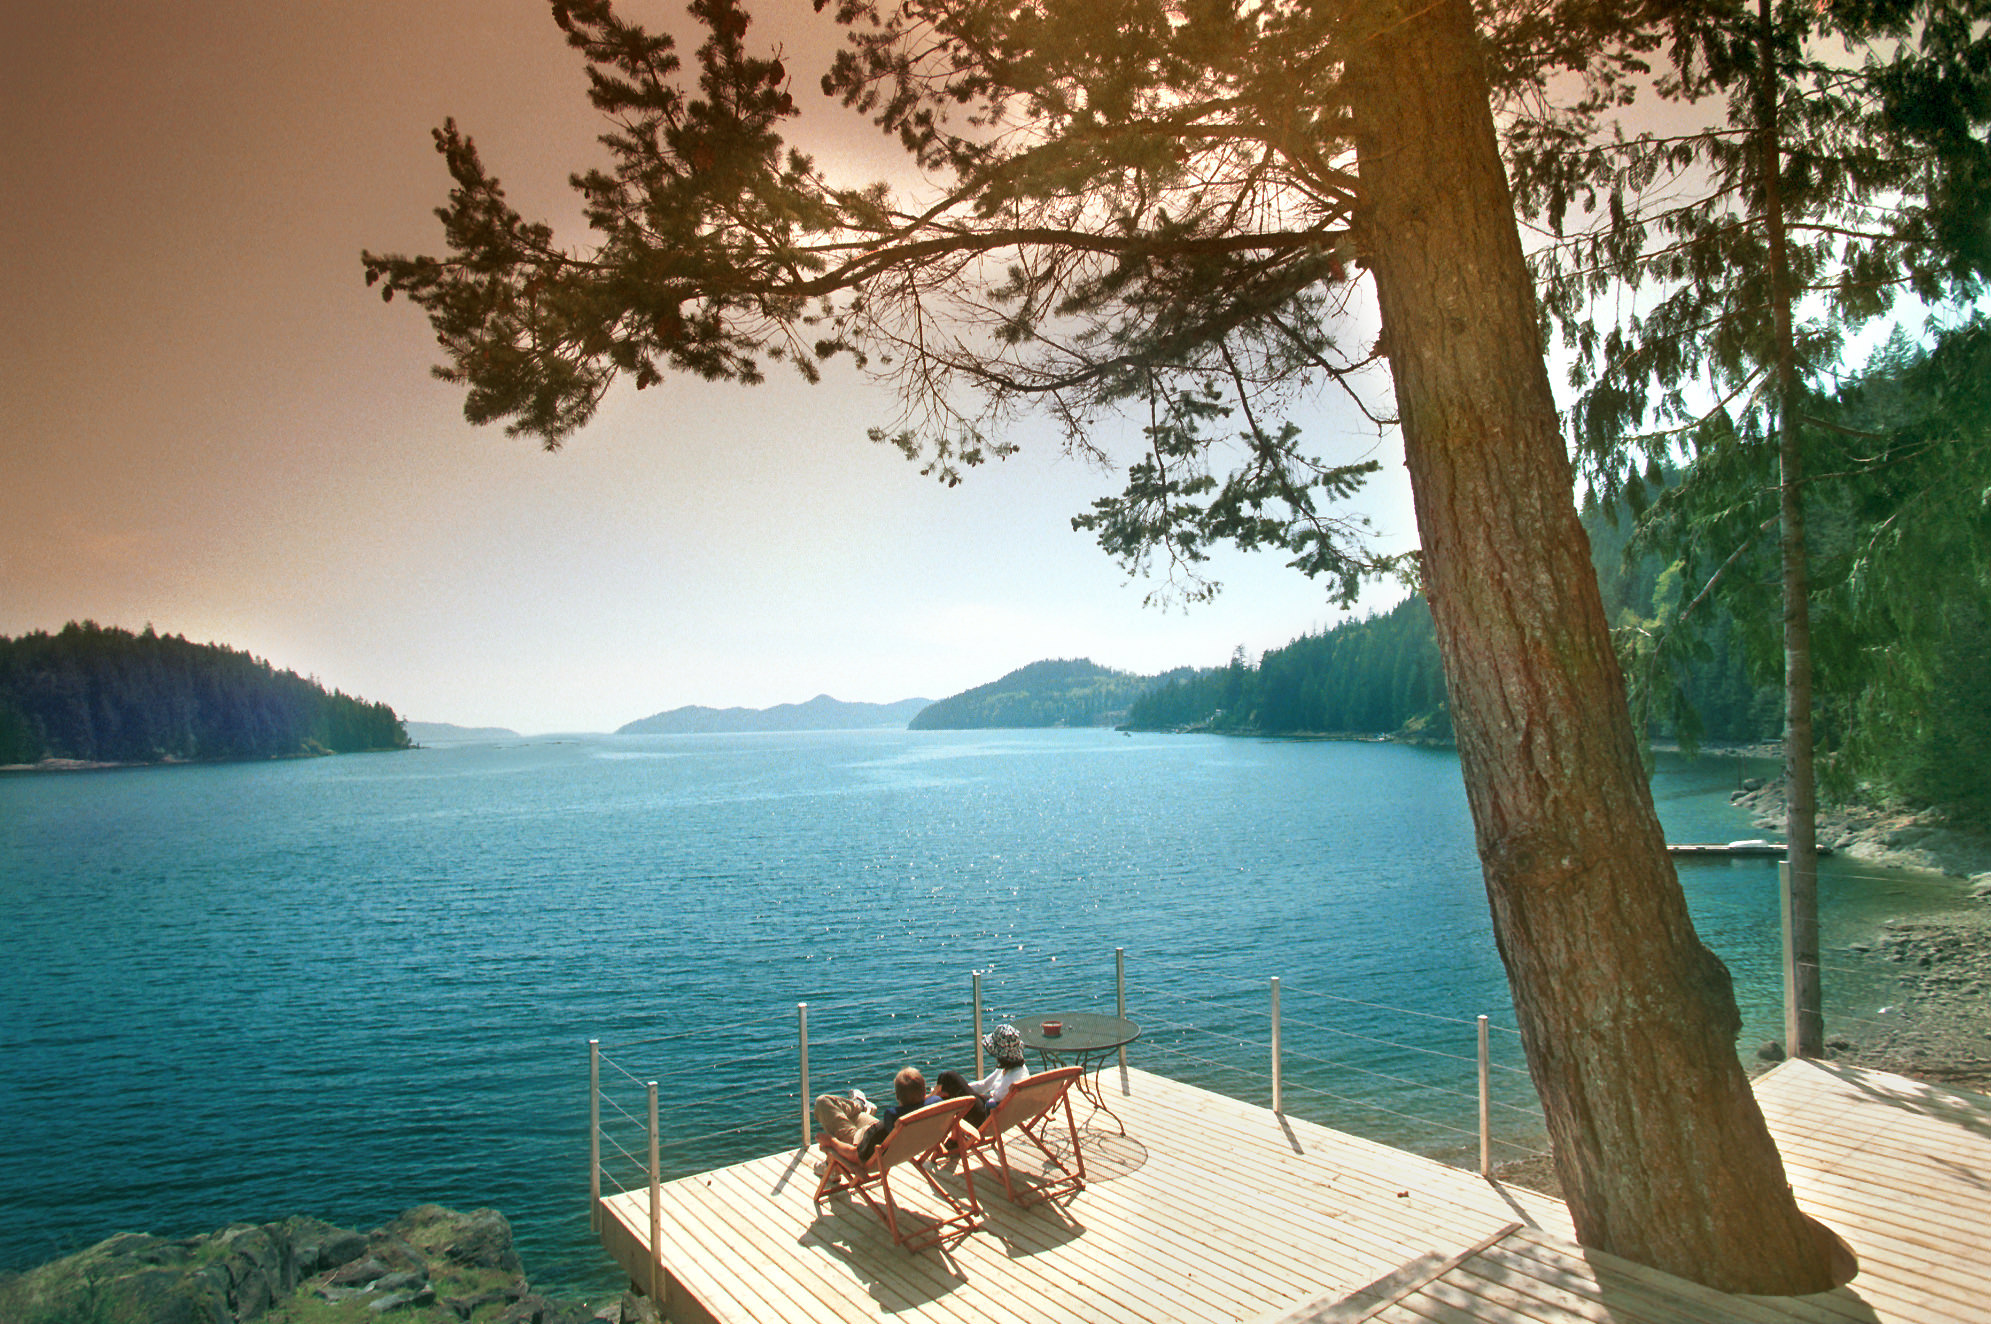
(1006, 1045)
(853, 1120)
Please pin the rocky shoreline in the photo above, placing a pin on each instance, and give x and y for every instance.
(1936, 1023)
(1935, 1026)
(429, 1266)
(1885, 833)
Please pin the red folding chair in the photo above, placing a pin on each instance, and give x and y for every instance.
(916, 1139)
(1026, 1110)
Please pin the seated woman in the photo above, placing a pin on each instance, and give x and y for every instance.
(1006, 1045)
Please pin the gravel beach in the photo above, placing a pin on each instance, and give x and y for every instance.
(1940, 1027)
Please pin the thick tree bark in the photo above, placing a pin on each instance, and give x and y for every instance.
(1804, 1000)
(1628, 1020)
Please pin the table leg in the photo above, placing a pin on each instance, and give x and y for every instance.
(1094, 1092)
(1089, 1088)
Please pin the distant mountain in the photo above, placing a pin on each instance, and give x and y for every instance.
(436, 733)
(1075, 692)
(821, 713)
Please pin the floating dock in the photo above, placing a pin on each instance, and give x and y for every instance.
(1211, 1209)
(1754, 849)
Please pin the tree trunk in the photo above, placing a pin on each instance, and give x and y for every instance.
(1804, 1027)
(1629, 1022)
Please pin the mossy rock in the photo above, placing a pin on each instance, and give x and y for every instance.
(431, 1265)
(129, 1279)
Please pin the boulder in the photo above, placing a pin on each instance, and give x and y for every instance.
(481, 1238)
(403, 1280)
(360, 1273)
(129, 1277)
(405, 1300)
(257, 1268)
(468, 1305)
(536, 1309)
(396, 1251)
(631, 1309)
(318, 1245)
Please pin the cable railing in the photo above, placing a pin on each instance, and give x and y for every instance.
(1427, 1079)
(1231, 1038)
(1417, 1085)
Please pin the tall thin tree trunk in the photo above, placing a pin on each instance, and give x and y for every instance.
(1805, 1027)
(1628, 1020)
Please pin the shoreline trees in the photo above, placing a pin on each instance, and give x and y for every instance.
(105, 695)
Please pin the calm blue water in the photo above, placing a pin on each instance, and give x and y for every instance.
(343, 986)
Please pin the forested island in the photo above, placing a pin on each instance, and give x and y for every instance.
(98, 694)
(1057, 692)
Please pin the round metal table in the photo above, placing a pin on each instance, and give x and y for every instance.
(1087, 1040)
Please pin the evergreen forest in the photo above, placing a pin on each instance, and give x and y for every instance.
(1380, 675)
(105, 695)
(1363, 677)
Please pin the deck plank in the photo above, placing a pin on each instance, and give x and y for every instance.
(1235, 1213)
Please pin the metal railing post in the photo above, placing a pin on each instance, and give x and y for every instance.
(1485, 1106)
(1793, 1029)
(1120, 1001)
(656, 1208)
(802, 1042)
(594, 1135)
(1278, 1089)
(980, 1070)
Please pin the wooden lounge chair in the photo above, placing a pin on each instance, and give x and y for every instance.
(916, 1139)
(1030, 1106)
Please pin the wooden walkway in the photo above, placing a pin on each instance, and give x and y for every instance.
(1216, 1210)
(1899, 1169)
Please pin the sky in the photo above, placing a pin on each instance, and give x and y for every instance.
(209, 425)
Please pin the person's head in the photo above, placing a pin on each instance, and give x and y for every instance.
(1006, 1045)
(910, 1087)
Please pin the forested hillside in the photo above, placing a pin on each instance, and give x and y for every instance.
(1724, 684)
(1074, 692)
(106, 695)
(1899, 568)
(1367, 676)
(1380, 675)
(1900, 574)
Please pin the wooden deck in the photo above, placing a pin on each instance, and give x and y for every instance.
(1213, 1209)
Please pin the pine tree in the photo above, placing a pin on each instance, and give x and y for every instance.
(1162, 204)
(1849, 169)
